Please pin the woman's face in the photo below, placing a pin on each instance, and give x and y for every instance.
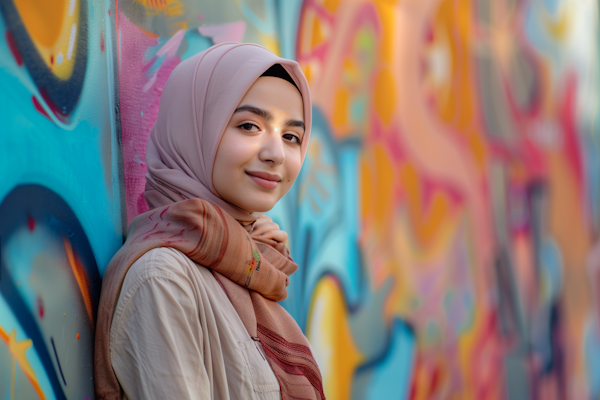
(259, 156)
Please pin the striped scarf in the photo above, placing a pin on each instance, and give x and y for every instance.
(242, 264)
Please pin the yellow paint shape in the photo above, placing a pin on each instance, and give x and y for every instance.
(43, 19)
(385, 95)
(328, 331)
(560, 26)
(270, 42)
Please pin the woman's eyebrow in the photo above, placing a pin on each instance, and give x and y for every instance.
(268, 116)
(295, 122)
(255, 110)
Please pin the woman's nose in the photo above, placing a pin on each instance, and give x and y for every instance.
(272, 148)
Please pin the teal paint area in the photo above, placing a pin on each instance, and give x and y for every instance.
(60, 203)
(49, 292)
(392, 377)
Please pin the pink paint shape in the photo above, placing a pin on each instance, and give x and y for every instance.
(170, 48)
(58, 113)
(39, 107)
(140, 96)
(231, 32)
(13, 48)
(40, 304)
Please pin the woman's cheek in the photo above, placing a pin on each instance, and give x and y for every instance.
(294, 161)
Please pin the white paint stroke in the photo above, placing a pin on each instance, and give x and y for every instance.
(71, 41)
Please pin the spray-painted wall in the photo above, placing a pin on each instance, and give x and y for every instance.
(446, 220)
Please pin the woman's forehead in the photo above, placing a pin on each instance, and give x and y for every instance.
(275, 95)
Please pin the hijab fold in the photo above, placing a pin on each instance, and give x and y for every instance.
(187, 214)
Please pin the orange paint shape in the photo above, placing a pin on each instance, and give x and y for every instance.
(384, 184)
(18, 350)
(351, 72)
(81, 279)
(340, 108)
(166, 7)
(456, 101)
(385, 11)
(331, 5)
(3, 335)
(42, 19)
(385, 95)
(307, 69)
(317, 33)
(426, 219)
(386, 2)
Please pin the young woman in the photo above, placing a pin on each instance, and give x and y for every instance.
(189, 303)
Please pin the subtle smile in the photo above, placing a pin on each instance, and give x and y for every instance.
(264, 179)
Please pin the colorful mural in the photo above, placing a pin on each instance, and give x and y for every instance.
(446, 221)
(60, 191)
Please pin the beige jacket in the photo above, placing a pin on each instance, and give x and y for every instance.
(175, 335)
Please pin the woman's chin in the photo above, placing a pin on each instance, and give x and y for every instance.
(257, 206)
(261, 209)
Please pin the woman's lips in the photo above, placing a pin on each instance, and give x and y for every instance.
(264, 179)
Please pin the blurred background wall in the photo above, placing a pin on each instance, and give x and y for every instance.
(446, 221)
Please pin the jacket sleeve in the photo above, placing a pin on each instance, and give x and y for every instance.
(156, 345)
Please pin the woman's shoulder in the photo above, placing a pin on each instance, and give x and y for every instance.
(161, 262)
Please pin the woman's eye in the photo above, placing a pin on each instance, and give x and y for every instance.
(292, 138)
(249, 127)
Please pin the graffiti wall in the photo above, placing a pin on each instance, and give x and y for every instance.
(446, 220)
(60, 191)
(463, 143)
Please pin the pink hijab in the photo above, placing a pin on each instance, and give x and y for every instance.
(195, 107)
